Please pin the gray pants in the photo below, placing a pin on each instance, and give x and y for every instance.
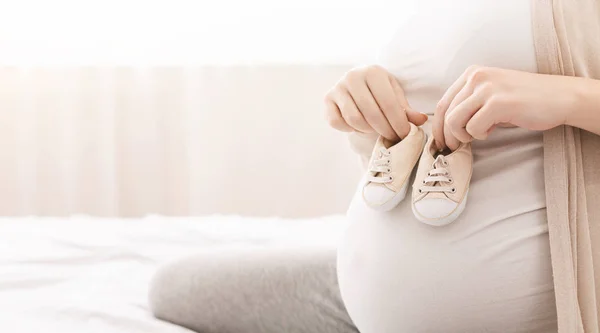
(289, 290)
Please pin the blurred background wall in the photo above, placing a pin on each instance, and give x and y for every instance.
(178, 141)
(127, 108)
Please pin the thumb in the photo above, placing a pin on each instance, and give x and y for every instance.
(413, 116)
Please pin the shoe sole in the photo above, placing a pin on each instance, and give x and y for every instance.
(446, 219)
(398, 197)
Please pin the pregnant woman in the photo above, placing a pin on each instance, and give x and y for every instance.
(526, 244)
(490, 270)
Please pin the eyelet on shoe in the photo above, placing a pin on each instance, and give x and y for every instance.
(390, 178)
(389, 161)
(454, 190)
(420, 191)
(424, 182)
(450, 180)
(389, 170)
(445, 163)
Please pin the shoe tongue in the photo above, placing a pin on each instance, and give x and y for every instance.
(439, 163)
(387, 144)
(379, 156)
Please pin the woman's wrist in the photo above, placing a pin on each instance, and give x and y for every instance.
(584, 109)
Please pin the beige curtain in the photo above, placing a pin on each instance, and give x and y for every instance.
(177, 141)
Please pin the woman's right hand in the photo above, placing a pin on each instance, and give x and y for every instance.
(370, 99)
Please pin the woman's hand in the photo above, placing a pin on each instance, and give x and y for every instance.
(483, 98)
(370, 99)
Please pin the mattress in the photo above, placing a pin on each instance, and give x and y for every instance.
(84, 274)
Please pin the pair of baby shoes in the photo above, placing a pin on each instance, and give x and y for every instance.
(441, 183)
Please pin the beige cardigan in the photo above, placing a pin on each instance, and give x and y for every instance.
(567, 41)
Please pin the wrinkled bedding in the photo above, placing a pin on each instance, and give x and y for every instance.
(84, 274)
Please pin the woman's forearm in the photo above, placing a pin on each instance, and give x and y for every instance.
(585, 113)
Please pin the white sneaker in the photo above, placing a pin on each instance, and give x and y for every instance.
(390, 168)
(441, 185)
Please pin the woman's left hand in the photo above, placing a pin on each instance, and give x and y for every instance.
(483, 98)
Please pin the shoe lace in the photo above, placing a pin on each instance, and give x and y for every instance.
(438, 178)
(381, 167)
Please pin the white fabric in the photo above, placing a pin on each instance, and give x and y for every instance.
(91, 275)
(175, 141)
(489, 270)
(438, 40)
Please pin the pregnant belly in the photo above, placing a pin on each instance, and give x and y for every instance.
(489, 271)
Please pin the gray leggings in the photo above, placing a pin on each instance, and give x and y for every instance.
(288, 290)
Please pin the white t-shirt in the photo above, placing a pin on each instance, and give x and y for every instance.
(490, 270)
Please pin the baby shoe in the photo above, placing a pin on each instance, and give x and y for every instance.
(390, 168)
(441, 184)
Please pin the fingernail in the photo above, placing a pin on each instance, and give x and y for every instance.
(426, 116)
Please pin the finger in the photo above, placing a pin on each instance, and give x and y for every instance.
(412, 116)
(350, 112)
(334, 117)
(458, 117)
(364, 100)
(482, 123)
(415, 117)
(439, 133)
(451, 141)
(385, 97)
(437, 129)
(458, 98)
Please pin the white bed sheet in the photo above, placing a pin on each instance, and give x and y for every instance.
(84, 274)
